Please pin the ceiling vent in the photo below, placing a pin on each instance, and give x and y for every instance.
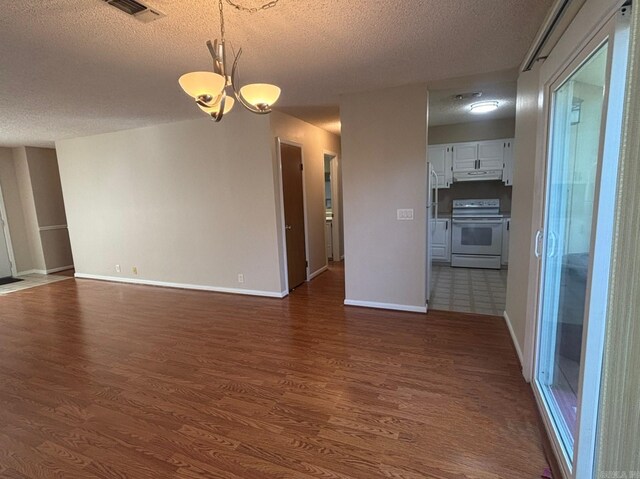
(137, 10)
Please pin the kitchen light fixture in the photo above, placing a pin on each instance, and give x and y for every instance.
(484, 106)
(209, 89)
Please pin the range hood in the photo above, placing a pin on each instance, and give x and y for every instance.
(477, 175)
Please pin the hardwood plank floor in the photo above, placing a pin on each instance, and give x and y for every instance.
(104, 380)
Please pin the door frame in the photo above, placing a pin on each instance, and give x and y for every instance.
(7, 235)
(335, 194)
(285, 264)
(583, 460)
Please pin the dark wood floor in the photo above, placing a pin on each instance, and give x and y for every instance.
(119, 381)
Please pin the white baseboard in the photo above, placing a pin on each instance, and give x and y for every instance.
(513, 338)
(319, 272)
(57, 270)
(45, 271)
(391, 306)
(197, 287)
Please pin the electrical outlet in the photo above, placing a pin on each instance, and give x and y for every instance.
(405, 214)
(118, 269)
(241, 278)
(134, 270)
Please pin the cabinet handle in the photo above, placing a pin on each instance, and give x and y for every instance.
(446, 225)
(508, 225)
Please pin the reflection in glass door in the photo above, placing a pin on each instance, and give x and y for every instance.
(575, 141)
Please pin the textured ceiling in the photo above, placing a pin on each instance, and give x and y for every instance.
(78, 67)
(444, 109)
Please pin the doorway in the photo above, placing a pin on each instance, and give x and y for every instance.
(332, 208)
(291, 168)
(7, 264)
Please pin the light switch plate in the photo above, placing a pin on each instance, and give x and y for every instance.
(405, 214)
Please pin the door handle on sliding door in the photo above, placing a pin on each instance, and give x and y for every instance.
(538, 240)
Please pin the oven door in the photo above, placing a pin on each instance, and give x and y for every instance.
(476, 236)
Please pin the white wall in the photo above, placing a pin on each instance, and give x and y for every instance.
(315, 142)
(472, 131)
(522, 204)
(384, 146)
(186, 203)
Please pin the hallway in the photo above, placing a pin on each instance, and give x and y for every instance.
(104, 380)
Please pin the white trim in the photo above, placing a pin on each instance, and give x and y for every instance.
(513, 337)
(319, 272)
(285, 259)
(197, 287)
(391, 306)
(7, 235)
(55, 270)
(53, 227)
(45, 271)
(24, 273)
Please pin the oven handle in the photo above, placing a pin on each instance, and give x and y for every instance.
(481, 222)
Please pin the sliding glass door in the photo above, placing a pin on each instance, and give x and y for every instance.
(575, 243)
(573, 166)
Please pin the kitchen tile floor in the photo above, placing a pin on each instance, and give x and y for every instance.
(31, 281)
(469, 290)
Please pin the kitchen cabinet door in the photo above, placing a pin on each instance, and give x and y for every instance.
(440, 157)
(441, 240)
(465, 156)
(491, 155)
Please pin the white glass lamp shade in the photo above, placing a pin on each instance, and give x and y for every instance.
(260, 95)
(197, 84)
(484, 106)
(228, 105)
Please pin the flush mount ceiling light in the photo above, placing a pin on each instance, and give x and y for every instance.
(214, 92)
(484, 106)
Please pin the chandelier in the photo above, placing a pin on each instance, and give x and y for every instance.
(214, 92)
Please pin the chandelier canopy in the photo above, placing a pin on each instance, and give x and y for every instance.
(216, 92)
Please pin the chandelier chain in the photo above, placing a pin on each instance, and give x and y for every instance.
(242, 8)
(220, 6)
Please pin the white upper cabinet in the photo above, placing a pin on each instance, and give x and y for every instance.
(440, 157)
(465, 156)
(491, 155)
(475, 161)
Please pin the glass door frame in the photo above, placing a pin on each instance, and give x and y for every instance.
(581, 465)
